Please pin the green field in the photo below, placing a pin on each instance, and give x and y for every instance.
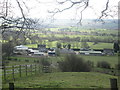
(65, 80)
(78, 46)
(113, 60)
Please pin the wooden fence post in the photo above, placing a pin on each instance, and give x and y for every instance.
(31, 69)
(20, 70)
(39, 68)
(113, 83)
(35, 68)
(4, 73)
(13, 72)
(26, 70)
(11, 86)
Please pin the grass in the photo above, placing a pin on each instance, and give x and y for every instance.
(101, 46)
(65, 80)
(113, 60)
(96, 46)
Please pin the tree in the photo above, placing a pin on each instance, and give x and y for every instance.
(84, 45)
(59, 45)
(116, 47)
(82, 5)
(73, 63)
(103, 64)
(18, 27)
(57, 52)
(64, 46)
(7, 49)
(69, 46)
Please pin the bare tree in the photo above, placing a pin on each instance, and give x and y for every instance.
(82, 5)
(19, 27)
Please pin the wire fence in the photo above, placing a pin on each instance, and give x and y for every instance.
(18, 71)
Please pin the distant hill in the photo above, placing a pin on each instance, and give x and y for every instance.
(86, 24)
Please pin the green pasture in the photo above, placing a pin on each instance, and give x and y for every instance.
(75, 45)
(101, 46)
(113, 60)
(65, 80)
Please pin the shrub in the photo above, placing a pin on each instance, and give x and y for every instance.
(118, 66)
(103, 64)
(45, 62)
(73, 63)
(90, 63)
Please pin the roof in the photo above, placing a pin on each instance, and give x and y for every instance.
(21, 47)
(91, 52)
(66, 51)
(39, 53)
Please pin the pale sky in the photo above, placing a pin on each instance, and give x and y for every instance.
(39, 9)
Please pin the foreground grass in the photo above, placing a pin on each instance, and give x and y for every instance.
(65, 80)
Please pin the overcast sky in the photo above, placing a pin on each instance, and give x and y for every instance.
(39, 9)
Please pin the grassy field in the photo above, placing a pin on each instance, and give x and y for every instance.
(91, 44)
(113, 60)
(65, 80)
(58, 79)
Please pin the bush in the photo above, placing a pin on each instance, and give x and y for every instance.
(103, 64)
(45, 62)
(73, 63)
(118, 66)
(90, 63)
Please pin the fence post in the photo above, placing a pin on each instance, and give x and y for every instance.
(11, 86)
(20, 70)
(35, 68)
(39, 68)
(31, 69)
(26, 70)
(13, 72)
(113, 83)
(4, 73)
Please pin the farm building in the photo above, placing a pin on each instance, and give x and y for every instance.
(42, 48)
(21, 47)
(23, 50)
(67, 51)
(20, 50)
(90, 52)
(35, 52)
(51, 53)
(108, 51)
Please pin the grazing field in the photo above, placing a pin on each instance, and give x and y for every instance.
(65, 80)
(78, 45)
(113, 60)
